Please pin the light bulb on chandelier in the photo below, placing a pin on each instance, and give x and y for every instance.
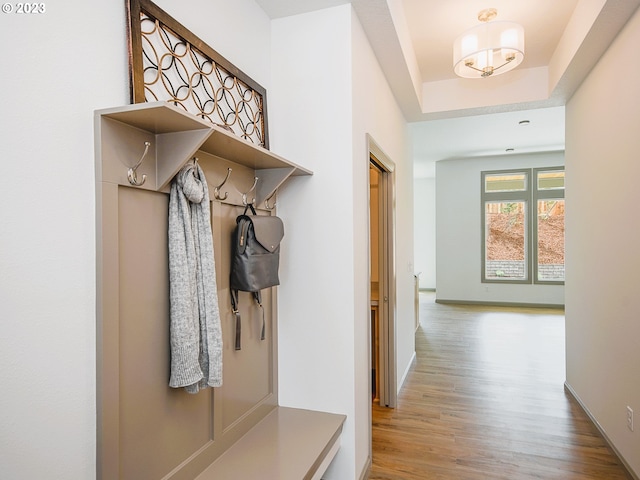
(491, 48)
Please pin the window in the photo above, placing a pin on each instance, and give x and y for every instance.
(549, 225)
(523, 226)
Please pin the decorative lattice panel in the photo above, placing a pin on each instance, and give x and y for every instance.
(168, 63)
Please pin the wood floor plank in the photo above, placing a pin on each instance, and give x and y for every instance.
(485, 399)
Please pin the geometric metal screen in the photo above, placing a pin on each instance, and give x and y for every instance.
(169, 63)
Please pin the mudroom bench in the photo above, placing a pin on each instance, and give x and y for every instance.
(146, 430)
(288, 444)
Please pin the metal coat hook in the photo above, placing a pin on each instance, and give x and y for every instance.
(266, 201)
(132, 173)
(216, 190)
(244, 195)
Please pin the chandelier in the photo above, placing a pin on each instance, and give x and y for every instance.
(491, 48)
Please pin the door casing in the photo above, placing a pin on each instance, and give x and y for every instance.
(387, 284)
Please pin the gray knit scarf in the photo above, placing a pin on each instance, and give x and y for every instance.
(196, 336)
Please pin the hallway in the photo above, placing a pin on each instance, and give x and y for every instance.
(485, 400)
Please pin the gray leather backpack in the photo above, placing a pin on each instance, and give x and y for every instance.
(255, 258)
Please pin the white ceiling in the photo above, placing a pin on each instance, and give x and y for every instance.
(486, 135)
(453, 117)
(285, 8)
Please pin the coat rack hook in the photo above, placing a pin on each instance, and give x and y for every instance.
(266, 201)
(244, 195)
(132, 173)
(216, 190)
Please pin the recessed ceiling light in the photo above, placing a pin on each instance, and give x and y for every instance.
(524, 122)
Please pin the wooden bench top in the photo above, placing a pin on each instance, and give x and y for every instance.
(288, 444)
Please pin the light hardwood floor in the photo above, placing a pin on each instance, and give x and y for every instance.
(485, 399)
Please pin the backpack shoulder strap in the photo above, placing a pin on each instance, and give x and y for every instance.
(258, 299)
(236, 313)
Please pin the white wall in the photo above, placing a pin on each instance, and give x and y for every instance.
(383, 121)
(424, 221)
(311, 123)
(47, 252)
(322, 87)
(603, 234)
(58, 67)
(459, 232)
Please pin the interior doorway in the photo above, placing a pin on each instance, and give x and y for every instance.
(382, 295)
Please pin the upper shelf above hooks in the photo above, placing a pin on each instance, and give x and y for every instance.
(175, 137)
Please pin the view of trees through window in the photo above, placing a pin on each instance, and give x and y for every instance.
(551, 240)
(510, 227)
(505, 240)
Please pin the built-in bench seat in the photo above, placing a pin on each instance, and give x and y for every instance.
(288, 444)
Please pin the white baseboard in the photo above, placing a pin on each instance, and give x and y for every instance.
(601, 430)
(406, 372)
